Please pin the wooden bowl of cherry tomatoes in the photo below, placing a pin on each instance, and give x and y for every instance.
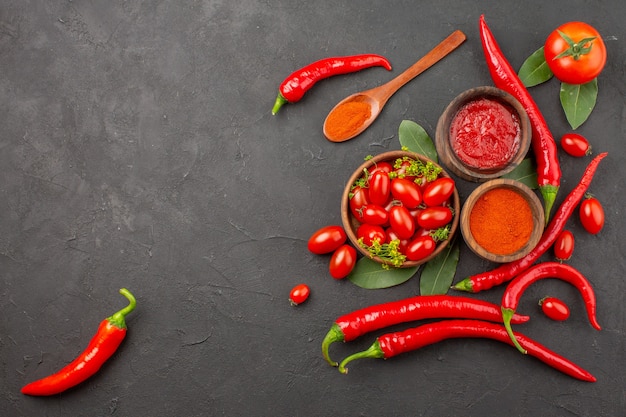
(400, 208)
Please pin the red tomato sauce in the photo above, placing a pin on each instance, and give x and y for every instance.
(485, 134)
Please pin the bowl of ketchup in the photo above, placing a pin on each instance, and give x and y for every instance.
(483, 134)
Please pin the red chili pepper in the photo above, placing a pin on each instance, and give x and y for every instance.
(110, 335)
(508, 271)
(300, 81)
(543, 143)
(564, 272)
(393, 344)
(350, 326)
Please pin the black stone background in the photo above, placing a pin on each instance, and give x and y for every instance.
(137, 149)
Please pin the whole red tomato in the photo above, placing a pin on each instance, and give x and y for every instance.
(575, 53)
(591, 215)
(342, 262)
(554, 308)
(379, 188)
(420, 248)
(401, 221)
(564, 246)
(434, 217)
(327, 239)
(358, 199)
(407, 192)
(438, 191)
(373, 214)
(370, 232)
(575, 145)
(299, 294)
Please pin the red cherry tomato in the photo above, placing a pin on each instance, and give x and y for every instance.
(381, 166)
(434, 217)
(591, 215)
(373, 214)
(575, 53)
(402, 171)
(358, 199)
(401, 222)
(327, 239)
(342, 262)
(299, 294)
(438, 191)
(575, 145)
(407, 192)
(379, 188)
(564, 246)
(370, 232)
(391, 235)
(554, 308)
(420, 248)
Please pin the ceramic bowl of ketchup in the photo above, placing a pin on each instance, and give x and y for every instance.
(482, 134)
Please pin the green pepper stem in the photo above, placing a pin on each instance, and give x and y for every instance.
(548, 192)
(507, 315)
(373, 352)
(280, 100)
(335, 334)
(464, 285)
(118, 319)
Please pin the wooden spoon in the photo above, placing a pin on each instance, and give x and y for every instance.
(374, 99)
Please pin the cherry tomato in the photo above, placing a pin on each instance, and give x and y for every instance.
(402, 169)
(379, 188)
(434, 217)
(554, 308)
(591, 215)
(420, 248)
(407, 192)
(401, 221)
(327, 239)
(342, 262)
(381, 166)
(373, 214)
(370, 232)
(575, 145)
(438, 191)
(299, 294)
(358, 199)
(391, 235)
(564, 246)
(575, 53)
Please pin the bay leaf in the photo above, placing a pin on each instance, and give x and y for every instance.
(438, 274)
(371, 275)
(578, 101)
(413, 137)
(525, 172)
(535, 70)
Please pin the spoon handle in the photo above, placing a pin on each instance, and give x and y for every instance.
(446, 46)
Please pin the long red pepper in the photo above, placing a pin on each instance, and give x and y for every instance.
(508, 271)
(292, 89)
(357, 323)
(102, 346)
(543, 143)
(564, 272)
(393, 344)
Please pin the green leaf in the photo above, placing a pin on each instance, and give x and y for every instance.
(525, 172)
(438, 274)
(578, 101)
(371, 275)
(535, 70)
(413, 137)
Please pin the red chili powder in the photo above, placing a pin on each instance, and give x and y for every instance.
(348, 118)
(485, 134)
(501, 221)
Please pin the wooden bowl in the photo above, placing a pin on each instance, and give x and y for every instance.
(351, 224)
(536, 210)
(450, 158)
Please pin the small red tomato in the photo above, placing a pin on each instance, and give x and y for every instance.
(438, 191)
(391, 235)
(379, 188)
(407, 192)
(373, 214)
(591, 215)
(358, 199)
(342, 262)
(564, 246)
(575, 145)
(554, 308)
(327, 239)
(370, 232)
(299, 294)
(381, 166)
(420, 248)
(402, 171)
(401, 221)
(434, 217)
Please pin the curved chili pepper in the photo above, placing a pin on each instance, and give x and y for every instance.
(508, 271)
(292, 89)
(352, 325)
(564, 272)
(109, 336)
(393, 344)
(543, 143)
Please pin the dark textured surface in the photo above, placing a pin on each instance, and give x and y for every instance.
(137, 149)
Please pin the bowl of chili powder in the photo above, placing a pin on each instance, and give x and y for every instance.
(502, 220)
(483, 134)
(405, 165)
